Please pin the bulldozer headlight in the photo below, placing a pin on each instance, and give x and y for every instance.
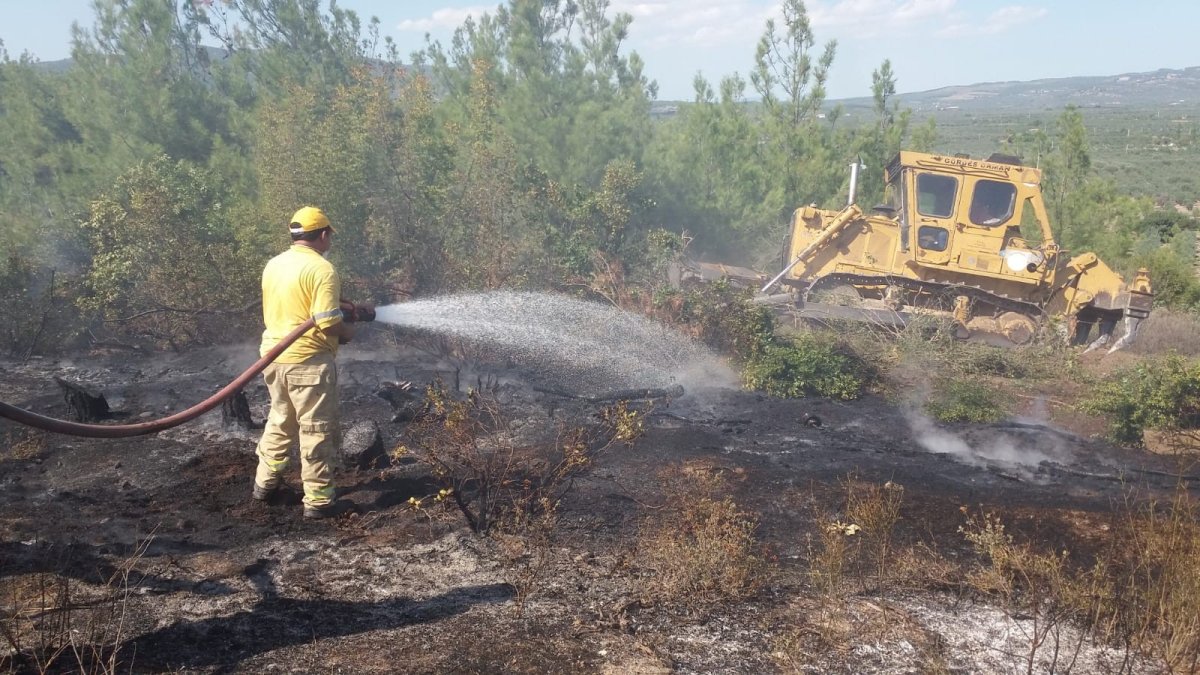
(1021, 260)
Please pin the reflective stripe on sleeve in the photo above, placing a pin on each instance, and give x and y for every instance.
(327, 315)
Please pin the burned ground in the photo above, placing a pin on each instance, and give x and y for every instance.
(149, 552)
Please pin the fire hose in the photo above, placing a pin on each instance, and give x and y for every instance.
(32, 419)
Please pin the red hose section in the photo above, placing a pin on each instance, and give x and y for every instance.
(126, 430)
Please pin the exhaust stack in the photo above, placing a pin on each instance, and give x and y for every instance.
(853, 181)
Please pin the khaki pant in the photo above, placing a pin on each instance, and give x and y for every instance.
(304, 409)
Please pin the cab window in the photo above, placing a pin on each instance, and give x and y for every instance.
(992, 203)
(935, 195)
(933, 238)
(1031, 229)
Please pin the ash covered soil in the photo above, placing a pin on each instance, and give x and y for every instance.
(172, 567)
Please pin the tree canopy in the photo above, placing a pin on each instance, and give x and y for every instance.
(152, 178)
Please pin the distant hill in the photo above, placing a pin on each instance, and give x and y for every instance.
(1143, 129)
(1136, 90)
(1153, 89)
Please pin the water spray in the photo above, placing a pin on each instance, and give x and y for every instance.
(575, 342)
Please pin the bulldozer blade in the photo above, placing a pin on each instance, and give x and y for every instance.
(685, 270)
(877, 315)
(979, 331)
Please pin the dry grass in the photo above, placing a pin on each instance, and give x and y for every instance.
(1166, 331)
(487, 474)
(876, 509)
(525, 541)
(701, 549)
(1142, 589)
(853, 554)
(22, 446)
(1043, 586)
(1152, 563)
(52, 623)
(859, 543)
(821, 636)
(1138, 589)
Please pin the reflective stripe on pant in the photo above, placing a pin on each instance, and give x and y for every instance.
(304, 409)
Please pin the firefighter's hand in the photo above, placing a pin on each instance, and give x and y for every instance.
(343, 331)
(355, 313)
(364, 312)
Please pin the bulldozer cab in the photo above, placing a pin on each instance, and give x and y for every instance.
(967, 213)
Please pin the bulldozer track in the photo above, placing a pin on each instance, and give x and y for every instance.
(937, 289)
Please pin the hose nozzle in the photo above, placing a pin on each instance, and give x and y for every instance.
(352, 313)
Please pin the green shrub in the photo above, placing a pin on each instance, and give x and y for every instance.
(964, 401)
(1175, 283)
(166, 261)
(809, 364)
(979, 359)
(1161, 393)
(723, 317)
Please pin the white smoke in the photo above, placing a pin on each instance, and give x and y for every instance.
(1021, 452)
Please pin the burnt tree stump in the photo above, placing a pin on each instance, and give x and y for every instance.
(86, 406)
(235, 412)
(407, 402)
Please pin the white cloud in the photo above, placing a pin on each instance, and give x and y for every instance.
(703, 23)
(639, 10)
(447, 18)
(877, 15)
(999, 21)
(716, 23)
(920, 10)
(1010, 17)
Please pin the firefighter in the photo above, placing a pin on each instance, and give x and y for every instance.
(298, 284)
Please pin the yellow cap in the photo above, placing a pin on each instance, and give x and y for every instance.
(308, 219)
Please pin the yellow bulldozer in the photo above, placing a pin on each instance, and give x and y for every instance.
(961, 238)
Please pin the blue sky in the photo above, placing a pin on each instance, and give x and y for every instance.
(932, 43)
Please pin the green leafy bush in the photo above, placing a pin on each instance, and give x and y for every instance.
(166, 261)
(809, 364)
(723, 317)
(964, 401)
(978, 359)
(1175, 283)
(1161, 393)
